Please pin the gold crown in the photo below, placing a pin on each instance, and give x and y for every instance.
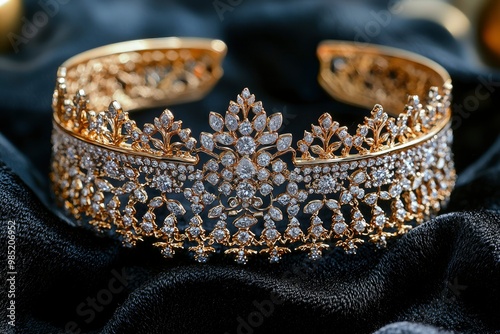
(245, 186)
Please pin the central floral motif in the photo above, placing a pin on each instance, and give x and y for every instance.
(245, 168)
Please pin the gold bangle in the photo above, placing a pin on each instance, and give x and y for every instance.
(243, 187)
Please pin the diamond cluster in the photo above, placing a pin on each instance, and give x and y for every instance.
(255, 192)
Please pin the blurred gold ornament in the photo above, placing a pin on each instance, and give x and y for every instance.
(10, 18)
(489, 30)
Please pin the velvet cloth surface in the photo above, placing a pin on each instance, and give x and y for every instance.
(442, 277)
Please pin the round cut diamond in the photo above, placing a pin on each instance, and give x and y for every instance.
(264, 159)
(294, 232)
(245, 145)
(245, 190)
(163, 183)
(271, 234)
(317, 231)
(219, 235)
(326, 184)
(360, 226)
(278, 166)
(243, 237)
(245, 128)
(228, 159)
(339, 228)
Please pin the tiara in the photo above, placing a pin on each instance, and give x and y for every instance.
(247, 186)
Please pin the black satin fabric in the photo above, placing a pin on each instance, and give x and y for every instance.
(442, 277)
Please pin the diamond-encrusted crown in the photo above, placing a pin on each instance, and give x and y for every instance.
(246, 186)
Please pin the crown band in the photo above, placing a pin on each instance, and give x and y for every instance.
(244, 188)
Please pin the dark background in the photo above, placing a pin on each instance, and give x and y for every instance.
(442, 276)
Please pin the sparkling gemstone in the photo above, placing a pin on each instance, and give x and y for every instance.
(140, 195)
(245, 128)
(213, 178)
(111, 168)
(216, 122)
(380, 220)
(156, 202)
(232, 122)
(279, 179)
(198, 187)
(284, 142)
(315, 253)
(275, 214)
(228, 159)
(302, 196)
(176, 208)
(245, 168)
(168, 230)
(195, 231)
(332, 204)
(246, 145)
(225, 138)
(216, 211)
(395, 190)
(313, 206)
(227, 174)
(263, 174)
(308, 137)
(245, 190)
(257, 107)
(275, 122)
(87, 162)
(268, 138)
(234, 108)
(245, 222)
(384, 195)
(127, 220)
(225, 188)
(103, 185)
(266, 189)
(163, 183)
(358, 176)
(294, 232)
(219, 235)
(339, 228)
(167, 252)
(212, 165)
(245, 93)
(259, 122)
(206, 141)
(317, 230)
(271, 234)
(360, 226)
(345, 197)
(316, 220)
(278, 166)
(284, 199)
(196, 208)
(326, 184)
(317, 131)
(326, 121)
(379, 176)
(293, 210)
(243, 237)
(264, 159)
(201, 257)
(147, 226)
(371, 199)
(292, 188)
